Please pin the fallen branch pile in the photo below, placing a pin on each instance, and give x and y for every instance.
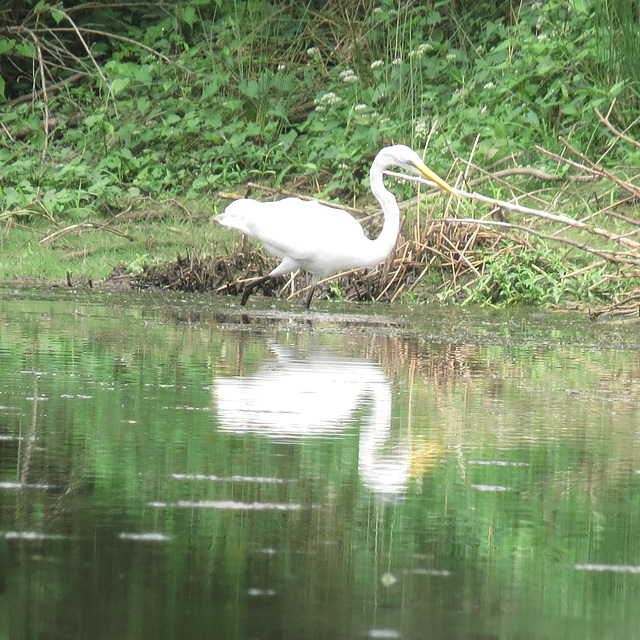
(613, 237)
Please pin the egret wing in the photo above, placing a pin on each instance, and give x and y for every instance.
(301, 229)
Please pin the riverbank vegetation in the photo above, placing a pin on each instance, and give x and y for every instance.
(125, 126)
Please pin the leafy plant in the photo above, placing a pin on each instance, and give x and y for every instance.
(516, 276)
(218, 93)
(536, 277)
(102, 104)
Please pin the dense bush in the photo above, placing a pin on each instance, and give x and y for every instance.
(187, 98)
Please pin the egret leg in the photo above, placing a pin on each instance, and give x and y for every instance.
(310, 295)
(250, 287)
(314, 281)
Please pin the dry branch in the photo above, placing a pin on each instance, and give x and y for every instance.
(622, 258)
(45, 92)
(80, 228)
(631, 188)
(553, 217)
(50, 88)
(592, 168)
(615, 132)
(86, 47)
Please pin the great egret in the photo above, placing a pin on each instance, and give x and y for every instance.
(308, 235)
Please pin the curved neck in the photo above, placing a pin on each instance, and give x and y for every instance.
(385, 242)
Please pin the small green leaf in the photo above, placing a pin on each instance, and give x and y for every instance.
(434, 17)
(119, 84)
(58, 16)
(579, 6)
(210, 90)
(6, 45)
(617, 87)
(26, 49)
(249, 89)
(142, 74)
(189, 15)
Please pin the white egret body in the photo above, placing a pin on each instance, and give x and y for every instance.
(321, 239)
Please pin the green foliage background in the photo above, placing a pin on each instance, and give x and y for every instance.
(188, 98)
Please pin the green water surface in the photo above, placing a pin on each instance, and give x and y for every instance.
(174, 467)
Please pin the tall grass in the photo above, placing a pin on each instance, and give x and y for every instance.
(618, 25)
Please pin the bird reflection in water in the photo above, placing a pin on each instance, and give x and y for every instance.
(317, 394)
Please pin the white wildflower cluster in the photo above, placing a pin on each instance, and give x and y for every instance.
(348, 75)
(396, 62)
(364, 113)
(330, 98)
(313, 52)
(377, 63)
(451, 56)
(325, 100)
(489, 85)
(421, 50)
(420, 128)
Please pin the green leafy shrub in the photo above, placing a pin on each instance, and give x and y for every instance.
(536, 277)
(217, 93)
(192, 98)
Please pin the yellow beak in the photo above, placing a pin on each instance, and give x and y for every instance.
(429, 175)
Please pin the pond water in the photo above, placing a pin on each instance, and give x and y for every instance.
(173, 467)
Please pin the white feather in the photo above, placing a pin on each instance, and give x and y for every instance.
(321, 239)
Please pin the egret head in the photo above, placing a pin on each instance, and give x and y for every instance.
(399, 155)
